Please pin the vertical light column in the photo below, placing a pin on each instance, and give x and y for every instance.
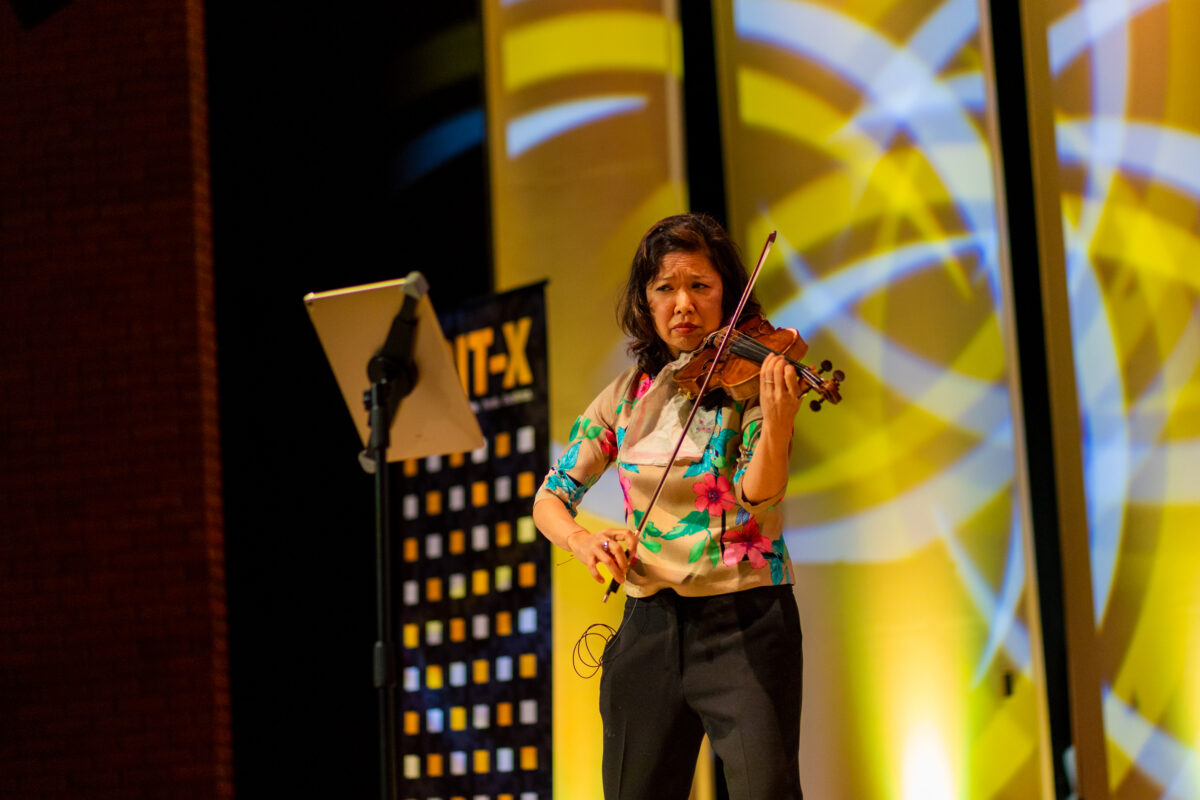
(859, 130)
(586, 153)
(1127, 141)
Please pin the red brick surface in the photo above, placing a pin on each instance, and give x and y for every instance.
(113, 659)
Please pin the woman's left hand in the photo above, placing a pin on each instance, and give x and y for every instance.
(779, 395)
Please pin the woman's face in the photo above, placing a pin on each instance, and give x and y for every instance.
(685, 300)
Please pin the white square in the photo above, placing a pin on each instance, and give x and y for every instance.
(479, 537)
(503, 489)
(434, 720)
(504, 759)
(479, 626)
(504, 668)
(411, 507)
(433, 631)
(529, 796)
(458, 498)
(412, 767)
(412, 593)
(480, 454)
(481, 716)
(528, 712)
(458, 673)
(412, 679)
(458, 586)
(458, 763)
(433, 463)
(527, 620)
(433, 545)
(525, 439)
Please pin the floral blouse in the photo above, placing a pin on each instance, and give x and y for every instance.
(703, 537)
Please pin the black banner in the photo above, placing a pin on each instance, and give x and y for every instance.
(473, 575)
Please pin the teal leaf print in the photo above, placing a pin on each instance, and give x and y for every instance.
(653, 545)
(693, 523)
(713, 459)
(698, 549)
(569, 457)
(778, 559)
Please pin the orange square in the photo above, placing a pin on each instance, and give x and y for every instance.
(529, 758)
(527, 574)
(479, 581)
(410, 467)
(412, 722)
(503, 534)
(479, 493)
(412, 636)
(433, 765)
(433, 502)
(458, 718)
(458, 629)
(458, 542)
(456, 459)
(482, 761)
(504, 714)
(503, 445)
(528, 665)
(433, 589)
(433, 676)
(503, 623)
(525, 484)
(412, 549)
(481, 670)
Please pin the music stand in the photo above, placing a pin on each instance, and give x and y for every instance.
(390, 327)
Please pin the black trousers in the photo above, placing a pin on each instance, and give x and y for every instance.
(679, 667)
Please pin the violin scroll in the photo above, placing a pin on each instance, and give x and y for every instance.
(828, 388)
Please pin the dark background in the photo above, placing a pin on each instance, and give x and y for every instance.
(308, 116)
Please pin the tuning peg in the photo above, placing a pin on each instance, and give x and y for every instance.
(839, 376)
(815, 405)
(826, 365)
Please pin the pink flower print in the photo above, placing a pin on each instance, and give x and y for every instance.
(745, 542)
(608, 443)
(714, 493)
(643, 386)
(625, 484)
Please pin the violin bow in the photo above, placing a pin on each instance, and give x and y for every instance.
(613, 586)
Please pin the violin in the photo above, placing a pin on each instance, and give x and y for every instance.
(751, 341)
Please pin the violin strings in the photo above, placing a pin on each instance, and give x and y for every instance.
(752, 348)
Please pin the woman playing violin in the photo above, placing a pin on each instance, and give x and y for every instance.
(710, 640)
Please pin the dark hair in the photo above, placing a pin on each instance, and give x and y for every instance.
(687, 233)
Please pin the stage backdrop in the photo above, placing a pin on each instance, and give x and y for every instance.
(472, 574)
(1128, 146)
(859, 130)
(585, 152)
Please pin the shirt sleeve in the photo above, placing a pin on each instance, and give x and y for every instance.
(751, 430)
(591, 448)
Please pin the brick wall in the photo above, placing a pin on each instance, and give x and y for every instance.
(113, 662)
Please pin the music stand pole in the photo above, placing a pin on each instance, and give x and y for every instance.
(393, 376)
(437, 418)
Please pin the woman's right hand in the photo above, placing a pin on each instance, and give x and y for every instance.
(615, 548)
